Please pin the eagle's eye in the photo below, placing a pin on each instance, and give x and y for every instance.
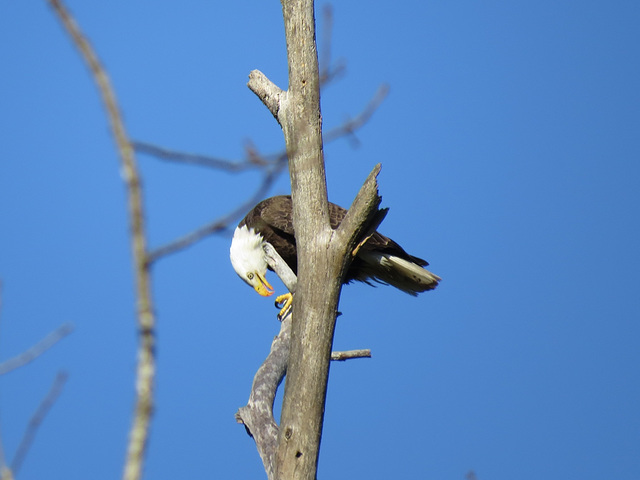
(250, 276)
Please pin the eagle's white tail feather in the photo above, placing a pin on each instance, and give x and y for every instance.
(402, 274)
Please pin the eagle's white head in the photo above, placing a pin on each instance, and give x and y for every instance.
(249, 260)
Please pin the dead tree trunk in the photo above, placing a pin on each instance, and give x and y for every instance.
(323, 253)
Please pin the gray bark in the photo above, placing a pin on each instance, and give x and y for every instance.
(323, 254)
(257, 415)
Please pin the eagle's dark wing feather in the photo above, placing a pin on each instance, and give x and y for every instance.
(277, 212)
(273, 218)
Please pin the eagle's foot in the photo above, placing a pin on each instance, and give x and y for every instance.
(283, 302)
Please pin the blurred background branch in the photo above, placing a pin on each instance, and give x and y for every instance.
(146, 323)
(38, 349)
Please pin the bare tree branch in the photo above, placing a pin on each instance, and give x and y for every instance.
(267, 91)
(363, 217)
(349, 354)
(7, 473)
(38, 349)
(252, 162)
(349, 127)
(257, 415)
(145, 375)
(36, 421)
(280, 267)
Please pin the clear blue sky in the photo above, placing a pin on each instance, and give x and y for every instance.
(511, 161)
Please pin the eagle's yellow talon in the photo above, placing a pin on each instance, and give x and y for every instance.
(285, 300)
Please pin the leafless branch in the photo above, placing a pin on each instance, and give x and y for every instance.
(36, 420)
(251, 162)
(363, 217)
(349, 354)
(280, 267)
(257, 415)
(349, 127)
(145, 375)
(267, 91)
(38, 349)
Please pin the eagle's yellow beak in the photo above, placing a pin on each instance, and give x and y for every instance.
(262, 286)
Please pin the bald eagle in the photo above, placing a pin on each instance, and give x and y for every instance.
(379, 259)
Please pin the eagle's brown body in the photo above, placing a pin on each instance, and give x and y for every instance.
(380, 258)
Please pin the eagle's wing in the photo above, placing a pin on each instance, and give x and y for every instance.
(277, 213)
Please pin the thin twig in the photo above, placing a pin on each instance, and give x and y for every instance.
(145, 375)
(252, 161)
(38, 349)
(36, 420)
(349, 354)
(349, 127)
